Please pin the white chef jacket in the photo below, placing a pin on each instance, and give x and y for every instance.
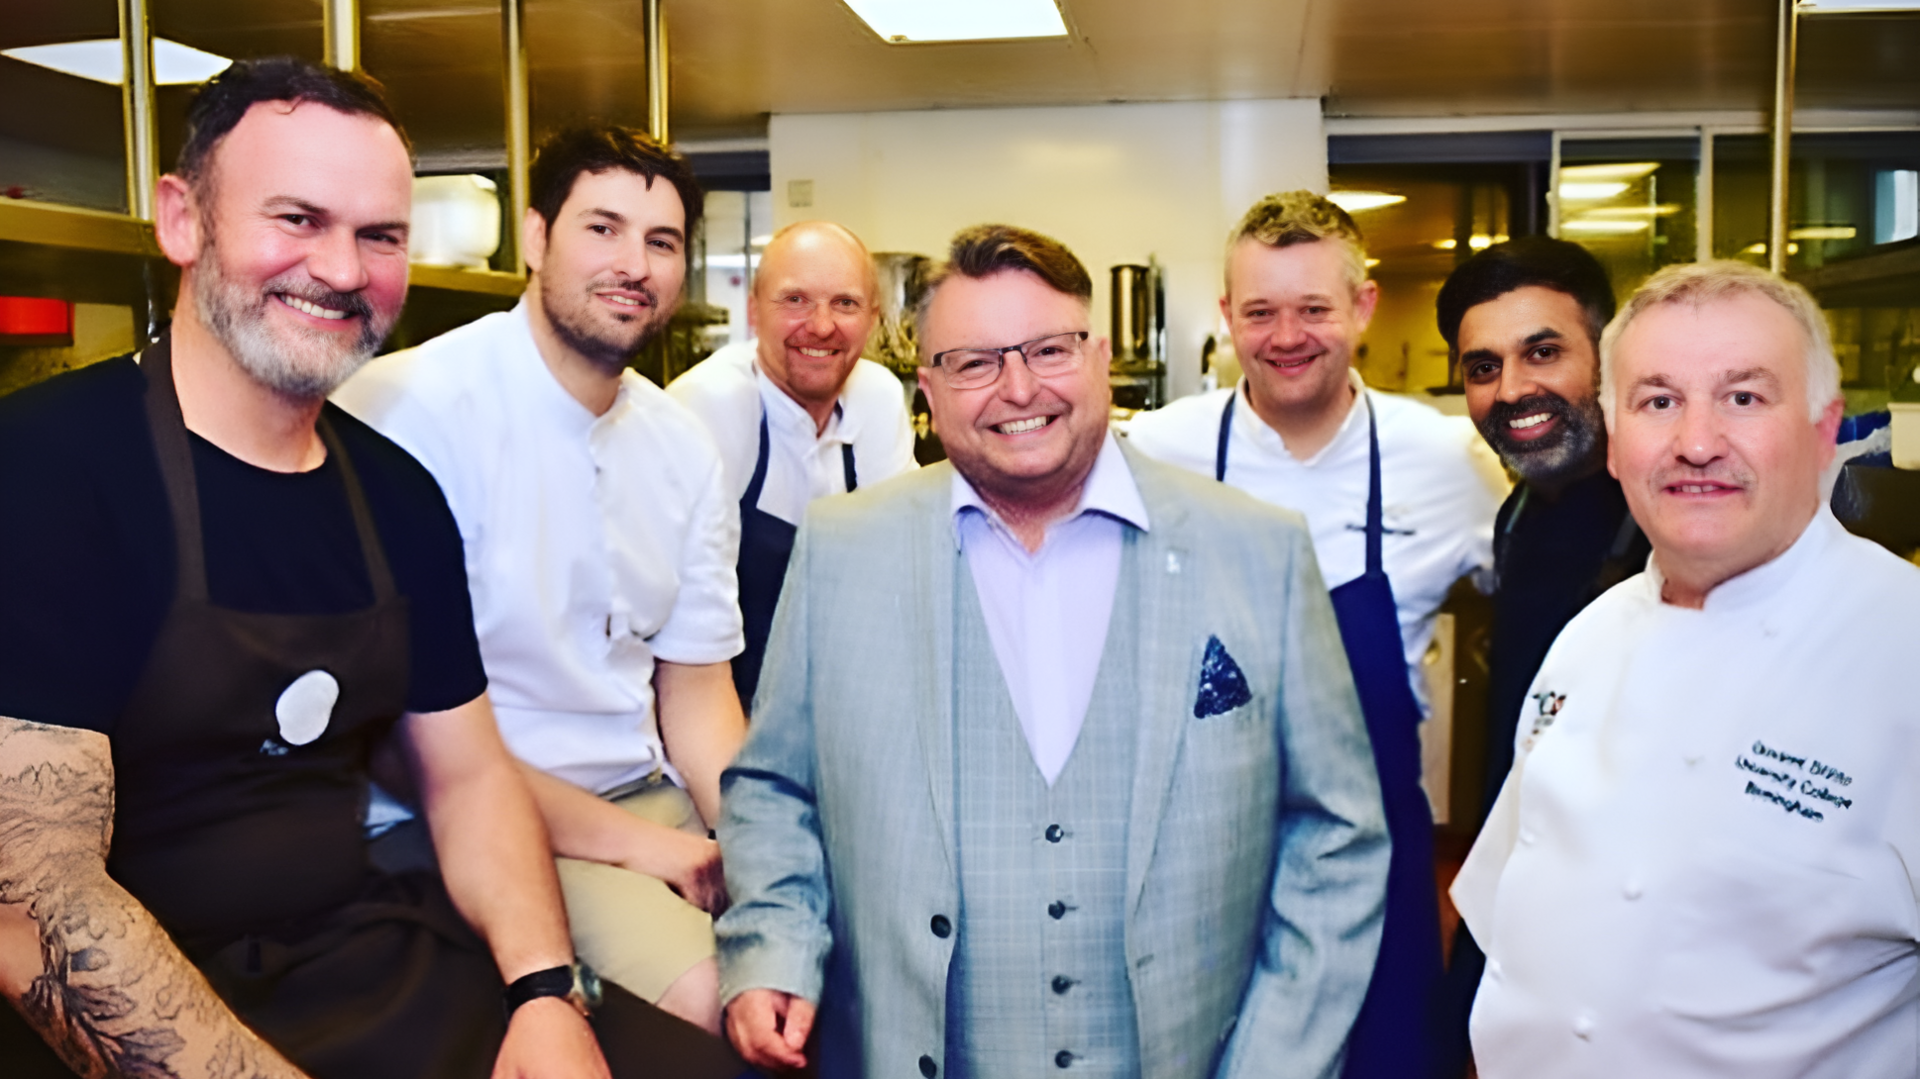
(1704, 860)
(1439, 488)
(595, 544)
(729, 393)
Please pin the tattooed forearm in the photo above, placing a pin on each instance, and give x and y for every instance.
(86, 965)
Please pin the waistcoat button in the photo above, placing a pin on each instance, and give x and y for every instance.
(1062, 1059)
(1057, 910)
(1062, 983)
(1054, 833)
(928, 1068)
(941, 927)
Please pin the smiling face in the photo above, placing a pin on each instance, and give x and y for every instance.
(608, 270)
(299, 265)
(1710, 436)
(1295, 322)
(1025, 443)
(1532, 376)
(812, 309)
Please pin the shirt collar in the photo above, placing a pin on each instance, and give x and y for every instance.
(1766, 579)
(1249, 423)
(787, 414)
(1110, 490)
(546, 392)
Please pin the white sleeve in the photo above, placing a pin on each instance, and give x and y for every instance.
(705, 626)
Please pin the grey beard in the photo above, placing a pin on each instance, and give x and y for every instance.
(303, 365)
(1558, 458)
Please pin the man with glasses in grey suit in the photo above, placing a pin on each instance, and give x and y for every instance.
(1056, 762)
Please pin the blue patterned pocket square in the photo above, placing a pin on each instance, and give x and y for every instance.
(1222, 687)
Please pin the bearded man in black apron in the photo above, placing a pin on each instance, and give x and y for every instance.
(223, 600)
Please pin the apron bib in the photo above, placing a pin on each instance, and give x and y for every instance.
(766, 545)
(1390, 1037)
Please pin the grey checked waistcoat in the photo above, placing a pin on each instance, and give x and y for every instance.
(1038, 983)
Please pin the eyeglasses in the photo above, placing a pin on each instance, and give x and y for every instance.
(972, 368)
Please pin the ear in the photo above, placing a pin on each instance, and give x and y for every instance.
(1829, 427)
(533, 239)
(1612, 468)
(1226, 308)
(176, 220)
(1365, 299)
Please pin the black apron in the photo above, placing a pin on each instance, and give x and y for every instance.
(766, 545)
(1390, 1037)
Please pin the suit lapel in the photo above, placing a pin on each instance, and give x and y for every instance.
(937, 554)
(1157, 569)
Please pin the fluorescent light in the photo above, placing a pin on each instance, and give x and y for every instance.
(1626, 170)
(1479, 241)
(1371, 263)
(1824, 232)
(1761, 249)
(762, 241)
(1661, 210)
(1584, 191)
(1842, 7)
(901, 22)
(1609, 226)
(103, 60)
(1355, 201)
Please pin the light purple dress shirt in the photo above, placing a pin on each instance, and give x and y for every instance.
(1047, 612)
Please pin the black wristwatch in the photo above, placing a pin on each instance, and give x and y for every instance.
(578, 984)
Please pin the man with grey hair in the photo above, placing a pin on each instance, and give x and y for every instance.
(1704, 859)
(1398, 510)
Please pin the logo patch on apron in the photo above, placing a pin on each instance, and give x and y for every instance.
(305, 707)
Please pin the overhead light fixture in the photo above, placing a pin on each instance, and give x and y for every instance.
(1761, 249)
(1626, 171)
(1824, 232)
(1371, 263)
(906, 22)
(1604, 226)
(1662, 210)
(104, 60)
(1479, 241)
(1852, 7)
(1591, 191)
(1355, 201)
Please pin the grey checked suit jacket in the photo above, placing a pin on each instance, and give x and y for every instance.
(1257, 851)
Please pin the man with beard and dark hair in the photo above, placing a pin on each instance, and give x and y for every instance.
(223, 598)
(600, 542)
(1523, 321)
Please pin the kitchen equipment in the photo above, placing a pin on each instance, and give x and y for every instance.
(1139, 334)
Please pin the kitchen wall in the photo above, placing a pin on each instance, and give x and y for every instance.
(1116, 183)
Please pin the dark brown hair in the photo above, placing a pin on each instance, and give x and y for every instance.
(219, 105)
(984, 250)
(597, 148)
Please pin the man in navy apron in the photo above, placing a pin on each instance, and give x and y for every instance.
(222, 598)
(1398, 510)
(797, 414)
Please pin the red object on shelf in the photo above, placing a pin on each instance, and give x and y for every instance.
(38, 321)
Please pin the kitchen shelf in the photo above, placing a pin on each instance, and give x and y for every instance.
(1888, 278)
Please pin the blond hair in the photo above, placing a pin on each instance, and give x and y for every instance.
(1302, 217)
(1700, 283)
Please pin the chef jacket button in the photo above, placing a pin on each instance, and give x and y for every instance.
(1062, 983)
(1692, 759)
(1055, 833)
(1526, 837)
(1633, 890)
(941, 927)
(1056, 910)
(1494, 970)
(928, 1068)
(1583, 1027)
(1062, 1059)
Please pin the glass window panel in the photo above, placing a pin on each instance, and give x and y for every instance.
(1849, 193)
(1632, 202)
(62, 139)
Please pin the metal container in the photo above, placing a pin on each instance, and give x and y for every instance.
(902, 279)
(1139, 334)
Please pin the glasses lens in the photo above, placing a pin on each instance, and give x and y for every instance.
(1053, 354)
(967, 368)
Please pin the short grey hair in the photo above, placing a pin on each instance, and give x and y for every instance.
(1302, 217)
(1699, 283)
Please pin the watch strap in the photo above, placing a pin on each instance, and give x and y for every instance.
(551, 982)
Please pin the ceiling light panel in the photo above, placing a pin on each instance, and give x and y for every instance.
(1355, 201)
(905, 22)
(1843, 7)
(102, 60)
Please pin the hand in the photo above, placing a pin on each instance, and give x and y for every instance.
(689, 864)
(548, 1038)
(770, 1028)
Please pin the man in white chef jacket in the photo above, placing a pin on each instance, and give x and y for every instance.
(797, 414)
(1704, 860)
(600, 549)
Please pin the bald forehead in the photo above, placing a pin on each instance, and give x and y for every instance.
(809, 241)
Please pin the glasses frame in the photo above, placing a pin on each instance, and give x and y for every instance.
(934, 361)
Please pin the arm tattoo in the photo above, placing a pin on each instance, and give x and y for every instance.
(114, 997)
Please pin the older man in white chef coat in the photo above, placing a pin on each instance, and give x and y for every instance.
(1704, 860)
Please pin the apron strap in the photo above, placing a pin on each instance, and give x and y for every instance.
(846, 467)
(751, 499)
(176, 467)
(378, 571)
(1375, 526)
(1226, 429)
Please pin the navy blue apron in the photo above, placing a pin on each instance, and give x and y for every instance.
(1390, 1038)
(766, 543)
